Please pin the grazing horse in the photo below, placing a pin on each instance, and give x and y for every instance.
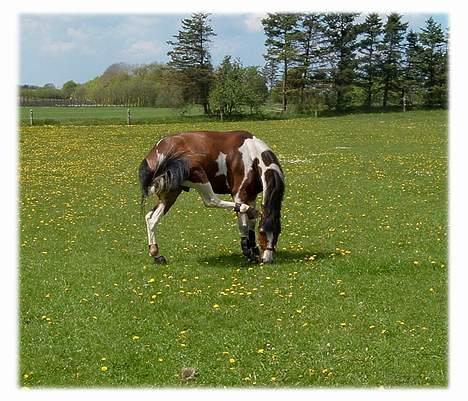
(235, 163)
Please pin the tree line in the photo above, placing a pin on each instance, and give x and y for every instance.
(313, 61)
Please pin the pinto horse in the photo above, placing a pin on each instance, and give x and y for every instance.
(235, 163)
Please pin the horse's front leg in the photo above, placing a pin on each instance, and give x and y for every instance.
(152, 218)
(246, 224)
(210, 199)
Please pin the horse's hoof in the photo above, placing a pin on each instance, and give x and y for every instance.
(160, 260)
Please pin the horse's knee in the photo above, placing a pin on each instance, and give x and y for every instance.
(153, 250)
(210, 202)
(148, 216)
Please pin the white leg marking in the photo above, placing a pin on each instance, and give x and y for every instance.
(267, 256)
(243, 224)
(152, 219)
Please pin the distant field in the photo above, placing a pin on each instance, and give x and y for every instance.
(102, 115)
(358, 296)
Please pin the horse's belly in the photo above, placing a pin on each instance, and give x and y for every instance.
(220, 185)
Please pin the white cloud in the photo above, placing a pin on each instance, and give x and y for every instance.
(147, 48)
(225, 47)
(77, 33)
(137, 25)
(34, 25)
(253, 22)
(57, 46)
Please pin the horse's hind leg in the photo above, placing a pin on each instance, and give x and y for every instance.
(152, 219)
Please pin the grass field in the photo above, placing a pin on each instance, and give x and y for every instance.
(357, 298)
(105, 115)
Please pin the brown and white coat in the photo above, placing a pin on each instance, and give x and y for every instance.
(235, 163)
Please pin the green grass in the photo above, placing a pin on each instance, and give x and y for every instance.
(106, 115)
(358, 296)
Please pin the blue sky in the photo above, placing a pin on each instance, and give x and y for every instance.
(57, 48)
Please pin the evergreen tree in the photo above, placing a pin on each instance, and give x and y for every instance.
(434, 63)
(281, 31)
(392, 51)
(371, 31)
(270, 73)
(309, 42)
(190, 56)
(341, 35)
(411, 67)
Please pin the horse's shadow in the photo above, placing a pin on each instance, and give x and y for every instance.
(281, 257)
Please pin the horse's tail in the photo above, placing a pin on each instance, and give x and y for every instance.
(146, 175)
(273, 192)
(172, 169)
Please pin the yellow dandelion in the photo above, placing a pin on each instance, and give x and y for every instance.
(135, 338)
(232, 360)
(260, 351)
(215, 306)
(103, 368)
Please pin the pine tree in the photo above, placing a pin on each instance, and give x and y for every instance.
(411, 67)
(434, 63)
(190, 56)
(270, 73)
(309, 48)
(341, 34)
(281, 31)
(392, 51)
(371, 31)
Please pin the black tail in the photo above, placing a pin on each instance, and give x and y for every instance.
(273, 193)
(171, 171)
(146, 177)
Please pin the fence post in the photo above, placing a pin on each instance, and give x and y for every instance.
(404, 103)
(31, 117)
(128, 117)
